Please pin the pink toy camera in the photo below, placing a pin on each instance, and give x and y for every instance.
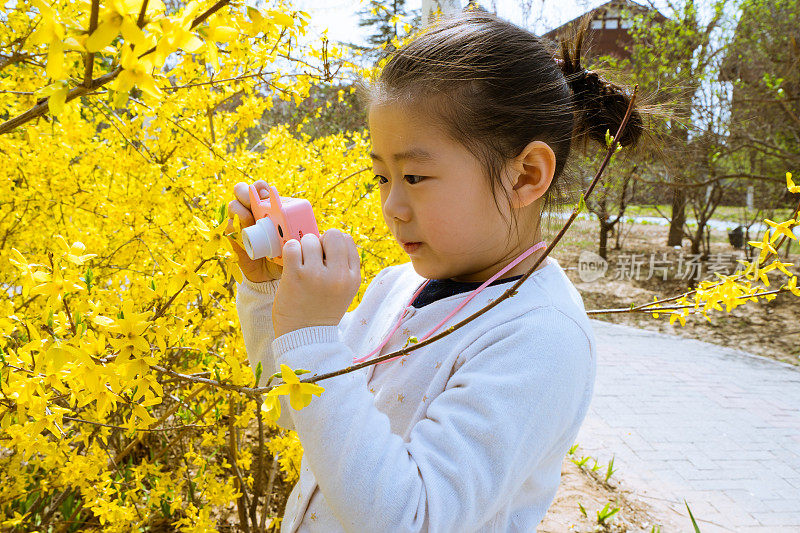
(277, 221)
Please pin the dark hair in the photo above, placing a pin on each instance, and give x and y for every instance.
(495, 87)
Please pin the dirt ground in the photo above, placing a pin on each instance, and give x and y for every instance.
(581, 487)
(770, 329)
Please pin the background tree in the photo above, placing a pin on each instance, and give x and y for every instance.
(388, 21)
(671, 59)
(762, 63)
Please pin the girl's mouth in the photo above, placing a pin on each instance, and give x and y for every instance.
(411, 247)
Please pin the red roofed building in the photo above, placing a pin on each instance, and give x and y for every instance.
(608, 30)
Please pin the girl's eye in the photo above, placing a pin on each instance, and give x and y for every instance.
(414, 179)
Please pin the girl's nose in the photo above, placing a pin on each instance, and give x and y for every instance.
(395, 204)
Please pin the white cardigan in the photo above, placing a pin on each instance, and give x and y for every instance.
(466, 434)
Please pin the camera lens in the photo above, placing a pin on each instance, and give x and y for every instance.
(261, 239)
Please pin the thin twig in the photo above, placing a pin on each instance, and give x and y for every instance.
(41, 108)
(89, 62)
(644, 309)
(213, 82)
(511, 291)
(344, 179)
(232, 446)
(175, 428)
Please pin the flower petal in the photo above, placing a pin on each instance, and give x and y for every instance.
(101, 37)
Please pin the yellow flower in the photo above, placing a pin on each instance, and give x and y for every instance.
(761, 273)
(50, 32)
(679, 315)
(29, 276)
(272, 407)
(131, 327)
(782, 228)
(782, 267)
(790, 184)
(655, 299)
(94, 345)
(215, 32)
(136, 71)
(214, 237)
(299, 393)
(56, 94)
(74, 253)
(16, 520)
(765, 246)
(184, 273)
(176, 33)
(231, 267)
(120, 16)
(56, 286)
(792, 286)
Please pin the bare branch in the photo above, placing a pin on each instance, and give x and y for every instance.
(41, 107)
(89, 63)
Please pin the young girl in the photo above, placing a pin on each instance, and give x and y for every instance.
(471, 126)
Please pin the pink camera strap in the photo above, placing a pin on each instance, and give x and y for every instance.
(523, 255)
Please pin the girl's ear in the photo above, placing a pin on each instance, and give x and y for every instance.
(531, 172)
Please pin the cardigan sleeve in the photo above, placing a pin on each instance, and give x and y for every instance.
(254, 307)
(523, 388)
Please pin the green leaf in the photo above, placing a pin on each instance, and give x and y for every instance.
(609, 138)
(88, 278)
(581, 204)
(259, 370)
(696, 529)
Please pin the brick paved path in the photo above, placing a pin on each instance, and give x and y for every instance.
(689, 419)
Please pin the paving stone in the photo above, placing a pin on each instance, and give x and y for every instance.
(782, 505)
(768, 529)
(688, 419)
(778, 519)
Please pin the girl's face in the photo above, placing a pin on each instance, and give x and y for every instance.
(434, 192)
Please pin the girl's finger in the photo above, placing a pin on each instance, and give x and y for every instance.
(335, 246)
(242, 191)
(262, 187)
(311, 249)
(236, 208)
(353, 257)
(292, 256)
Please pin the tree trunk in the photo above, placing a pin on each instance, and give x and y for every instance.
(604, 229)
(675, 237)
(678, 213)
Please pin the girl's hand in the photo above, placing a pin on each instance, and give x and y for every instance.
(320, 278)
(260, 269)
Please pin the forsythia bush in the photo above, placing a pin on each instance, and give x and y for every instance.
(114, 269)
